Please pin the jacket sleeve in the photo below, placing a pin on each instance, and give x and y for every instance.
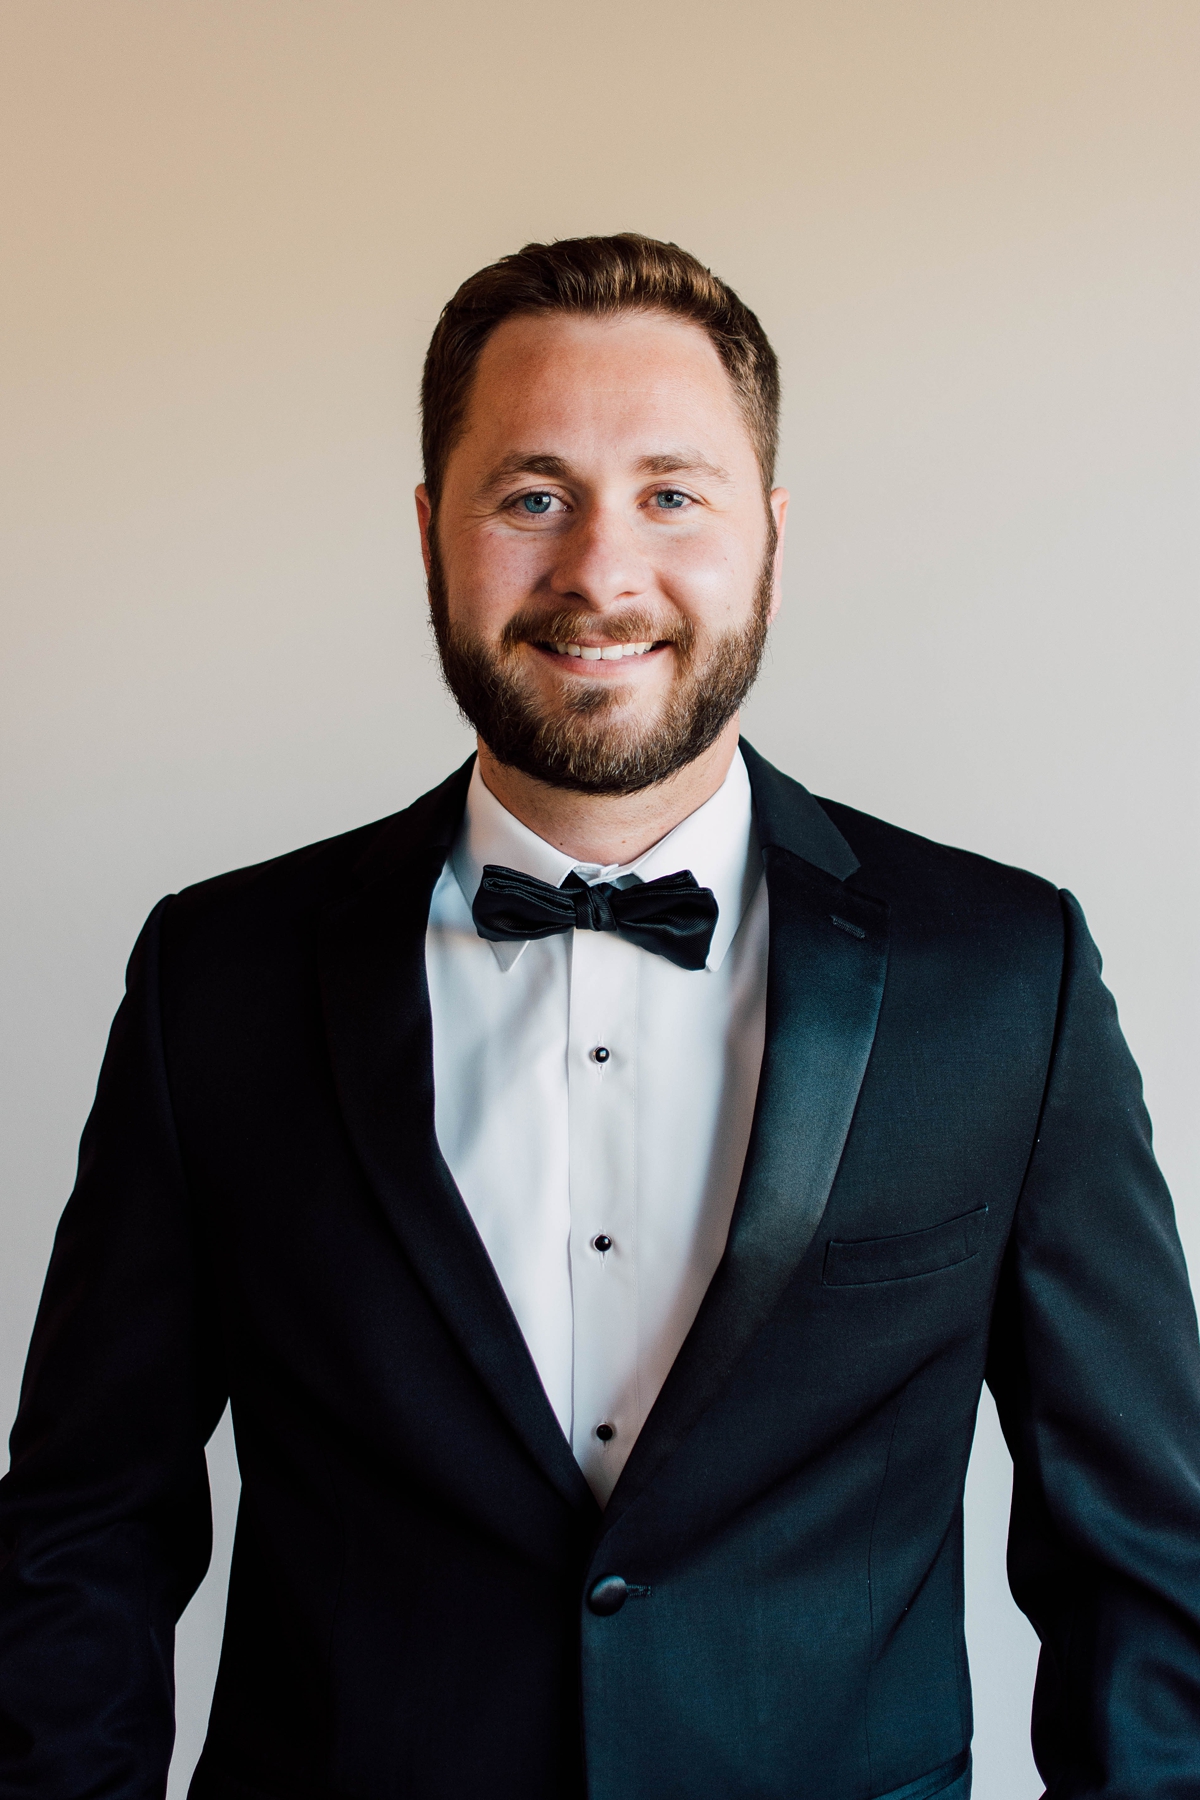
(1095, 1368)
(105, 1525)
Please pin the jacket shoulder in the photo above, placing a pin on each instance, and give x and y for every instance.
(303, 882)
(306, 873)
(903, 867)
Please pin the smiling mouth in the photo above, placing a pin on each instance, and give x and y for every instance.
(598, 652)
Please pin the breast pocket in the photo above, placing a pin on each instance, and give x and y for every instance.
(855, 1262)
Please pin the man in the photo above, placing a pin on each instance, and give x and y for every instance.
(602, 1189)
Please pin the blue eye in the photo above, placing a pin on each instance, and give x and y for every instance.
(670, 499)
(537, 503)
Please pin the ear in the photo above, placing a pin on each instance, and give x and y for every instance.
(424, 522)
(779, 506)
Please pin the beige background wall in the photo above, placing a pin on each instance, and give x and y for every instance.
(228, 228)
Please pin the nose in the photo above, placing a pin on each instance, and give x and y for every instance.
(600, 562)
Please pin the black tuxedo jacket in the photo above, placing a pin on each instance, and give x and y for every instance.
(949, 1176)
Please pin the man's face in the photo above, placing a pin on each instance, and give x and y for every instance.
(602, 568)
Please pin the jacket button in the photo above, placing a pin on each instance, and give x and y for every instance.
(608, 1595)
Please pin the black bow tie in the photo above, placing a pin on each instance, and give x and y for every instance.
(674, 916)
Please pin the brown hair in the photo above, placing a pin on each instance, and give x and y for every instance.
(598, 276)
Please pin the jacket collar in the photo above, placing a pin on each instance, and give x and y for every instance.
(788, 818)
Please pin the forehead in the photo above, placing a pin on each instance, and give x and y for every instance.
(586, 386)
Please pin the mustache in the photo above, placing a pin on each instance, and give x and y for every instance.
(567, 625)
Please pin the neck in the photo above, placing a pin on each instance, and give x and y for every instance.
(609, 828)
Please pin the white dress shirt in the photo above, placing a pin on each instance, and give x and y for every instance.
(555, 1150)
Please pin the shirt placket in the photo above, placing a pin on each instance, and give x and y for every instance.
(603, 1128)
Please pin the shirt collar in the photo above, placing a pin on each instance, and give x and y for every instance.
(717, 843)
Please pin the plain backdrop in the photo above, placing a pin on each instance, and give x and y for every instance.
(229, 225)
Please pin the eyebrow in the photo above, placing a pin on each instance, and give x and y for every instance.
(523, 462)
(557, 468)
(675, 462)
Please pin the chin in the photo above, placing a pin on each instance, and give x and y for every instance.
(613, 715)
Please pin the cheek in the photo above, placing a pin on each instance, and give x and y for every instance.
(490, 575)
(713, 577)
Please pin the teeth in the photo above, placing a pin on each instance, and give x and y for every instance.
(607, 653)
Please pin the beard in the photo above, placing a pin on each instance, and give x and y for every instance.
(583, 742)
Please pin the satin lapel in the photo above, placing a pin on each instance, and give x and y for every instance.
(376, 1005)
(827, 960)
